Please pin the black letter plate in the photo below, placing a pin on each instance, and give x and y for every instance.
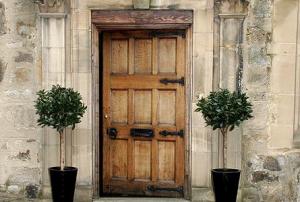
(141, 132)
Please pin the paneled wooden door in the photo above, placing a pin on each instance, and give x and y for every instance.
(144, 112)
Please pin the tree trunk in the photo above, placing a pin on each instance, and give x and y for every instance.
(62, 150)
(224, 134)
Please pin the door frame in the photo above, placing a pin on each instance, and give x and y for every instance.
(102, 20)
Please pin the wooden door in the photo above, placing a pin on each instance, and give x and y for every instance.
(143, 112)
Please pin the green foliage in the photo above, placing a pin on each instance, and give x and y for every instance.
(225, 110)
(59, 108)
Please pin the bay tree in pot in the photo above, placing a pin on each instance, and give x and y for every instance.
(60, 108)
(225, 110)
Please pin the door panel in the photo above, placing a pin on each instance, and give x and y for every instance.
(140, 162)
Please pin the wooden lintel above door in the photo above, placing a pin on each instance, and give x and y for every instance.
(135, 19)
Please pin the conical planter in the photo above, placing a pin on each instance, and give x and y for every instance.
(63, 183)
(225, 184)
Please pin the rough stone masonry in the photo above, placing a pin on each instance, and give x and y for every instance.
(20, 167)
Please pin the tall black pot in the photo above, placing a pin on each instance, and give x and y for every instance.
(63, 183)
(225, 184)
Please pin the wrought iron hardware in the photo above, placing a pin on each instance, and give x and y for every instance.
(166, 81)
(112, 133)
(153, 188)
(141, 132)
(176, 133)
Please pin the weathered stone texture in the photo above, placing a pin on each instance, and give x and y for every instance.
(2, 69)
(20, 169)
(2, 19)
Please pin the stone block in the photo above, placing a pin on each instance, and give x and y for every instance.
(14, 189)
(202, 194)
(283, 49)
(81, 38)
(24, 57)
(261, 8)
(203, 20)
(32, 191)
(2, 19)
(106, 4)
(201, 140)
(283, 74)
(281, 136)
(251, 194)
(260, 112)
(24, 175)
(261, 176)
(257, 56)
(82, 159)
(25, 27)
(283, 109)
(271, 163)
(81, 19)
(82, 137)
(3, 67)
(201, 170)
(285, 21)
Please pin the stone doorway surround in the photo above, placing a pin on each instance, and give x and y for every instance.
(76, 72)
(138, 19)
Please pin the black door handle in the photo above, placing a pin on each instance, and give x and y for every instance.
(112, 133)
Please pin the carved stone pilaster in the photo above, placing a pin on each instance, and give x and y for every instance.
(53, 6)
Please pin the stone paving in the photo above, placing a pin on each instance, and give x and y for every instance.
(18, 198)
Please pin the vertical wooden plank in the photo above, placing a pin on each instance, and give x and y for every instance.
(167, 108)
(95, 110)
(119, 61)
(130, 106)
(180, 112)
(154, 161)
(119, 158)
(119, 104)
(142, 107)
(167, 55)
(154, 55)
(142, 56)
(188, 99)
(131, 56)
(130, 157)
(154, 157)
(106, 107)
(142, 159)
(155, 103)
(180, 56)
(166, 162)
(131, 167)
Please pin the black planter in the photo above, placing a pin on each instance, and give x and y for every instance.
(225, 184)
(63, 183)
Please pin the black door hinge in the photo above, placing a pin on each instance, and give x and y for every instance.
(174, 133)
(166, 81)
(153, 188)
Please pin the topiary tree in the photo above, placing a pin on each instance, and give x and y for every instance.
(59, 108)
(224, 110)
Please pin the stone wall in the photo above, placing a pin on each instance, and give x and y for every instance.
(20, 167)
(259, 36)
(270, 163)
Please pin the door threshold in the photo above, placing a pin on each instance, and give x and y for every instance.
(137, 199)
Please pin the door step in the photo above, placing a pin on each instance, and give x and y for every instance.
(119, 199)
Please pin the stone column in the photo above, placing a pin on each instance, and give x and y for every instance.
(228, 65)
(53, 25)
